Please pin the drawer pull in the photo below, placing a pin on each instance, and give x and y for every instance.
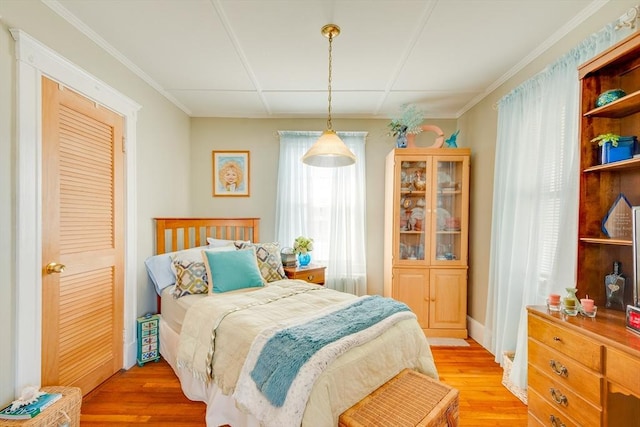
(555, 421)
(557, 339)
(558, 369)
(558, 397)
(310, 277)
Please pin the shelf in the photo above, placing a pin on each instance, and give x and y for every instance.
(622, 107)
(623, 164)
(606, 241)
(411, 232)
(416, 192)
(448, 193)
(448, 232)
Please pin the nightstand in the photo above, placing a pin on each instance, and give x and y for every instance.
(148, 339)
(311, 273)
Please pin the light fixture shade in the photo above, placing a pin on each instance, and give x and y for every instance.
(329, 151)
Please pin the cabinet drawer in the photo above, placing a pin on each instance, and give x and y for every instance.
(152, 324)
(623, 370)
(542, 410)
(561, 397)
(311, 276)
(566, 371)
(147, 332)
(578, 347)
(150, 339)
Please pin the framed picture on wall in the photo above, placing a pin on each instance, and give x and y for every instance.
(231, 176)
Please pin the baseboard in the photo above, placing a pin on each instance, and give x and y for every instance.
(130, 354)
(476, 331)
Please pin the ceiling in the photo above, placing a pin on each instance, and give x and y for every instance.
(267, 58)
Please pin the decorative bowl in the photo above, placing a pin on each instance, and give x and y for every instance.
(609, 96)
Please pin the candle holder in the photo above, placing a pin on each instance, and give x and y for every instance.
(570, 304)
(553, 302)
(591, 313)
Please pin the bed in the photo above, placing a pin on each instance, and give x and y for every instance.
(215, 342)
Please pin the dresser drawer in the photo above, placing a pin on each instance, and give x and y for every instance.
(561, 397)
(577, 346)
(546, 414)
(566, 371)
(623, 370)
(312, 274)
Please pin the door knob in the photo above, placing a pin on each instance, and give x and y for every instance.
(54, 267)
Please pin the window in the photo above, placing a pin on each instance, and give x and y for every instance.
(327, 205)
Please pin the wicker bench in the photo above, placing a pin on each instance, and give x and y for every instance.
(65, 410)
(408, 399)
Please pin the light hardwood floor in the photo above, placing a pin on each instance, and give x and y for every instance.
(151, 395)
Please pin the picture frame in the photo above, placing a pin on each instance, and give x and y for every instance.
(231, 173)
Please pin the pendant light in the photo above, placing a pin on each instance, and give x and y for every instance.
(329, 150)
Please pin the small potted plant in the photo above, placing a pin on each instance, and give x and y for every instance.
(409, 122)
(301, 247)
(605, 138)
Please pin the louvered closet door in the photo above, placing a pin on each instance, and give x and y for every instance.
(82, 212)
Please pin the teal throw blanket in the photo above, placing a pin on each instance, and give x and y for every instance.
(289, 349)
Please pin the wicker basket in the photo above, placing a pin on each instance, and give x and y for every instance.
(408, 399)
(507, 364)
(65, 411)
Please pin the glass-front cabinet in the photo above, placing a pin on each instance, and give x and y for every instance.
(426, 235)
(451, 206)
(413, 220)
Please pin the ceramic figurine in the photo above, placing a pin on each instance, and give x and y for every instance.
(451, 141)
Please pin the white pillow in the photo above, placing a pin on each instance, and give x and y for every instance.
(216, 243)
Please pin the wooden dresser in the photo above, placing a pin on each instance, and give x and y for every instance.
(582, 371)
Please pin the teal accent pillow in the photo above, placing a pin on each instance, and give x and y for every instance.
(230, 271)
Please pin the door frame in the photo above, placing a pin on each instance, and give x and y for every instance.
(33, 61)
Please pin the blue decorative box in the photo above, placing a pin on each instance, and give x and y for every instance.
(625, 150)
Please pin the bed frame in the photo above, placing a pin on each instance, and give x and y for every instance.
(175, 234)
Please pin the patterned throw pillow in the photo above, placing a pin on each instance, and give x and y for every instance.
(269, 259)
(190, 271)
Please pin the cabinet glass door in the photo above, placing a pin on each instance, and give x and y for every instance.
(413, 218)
(450, 203)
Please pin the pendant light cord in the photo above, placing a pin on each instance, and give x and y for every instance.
(330, 69)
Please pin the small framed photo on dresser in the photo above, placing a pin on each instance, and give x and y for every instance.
(231, 177)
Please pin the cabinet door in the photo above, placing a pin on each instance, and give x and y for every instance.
(411, 225)
(448, 298)
(411, 286)
(450, 212)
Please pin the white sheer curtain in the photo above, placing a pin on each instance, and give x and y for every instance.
(326, 204)
(535, 199)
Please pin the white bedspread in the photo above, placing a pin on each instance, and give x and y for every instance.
(290, 413)
(235, 320)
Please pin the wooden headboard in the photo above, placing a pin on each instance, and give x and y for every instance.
(174, 234)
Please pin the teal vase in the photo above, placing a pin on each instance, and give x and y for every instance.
(304, 259)
(401, 140)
